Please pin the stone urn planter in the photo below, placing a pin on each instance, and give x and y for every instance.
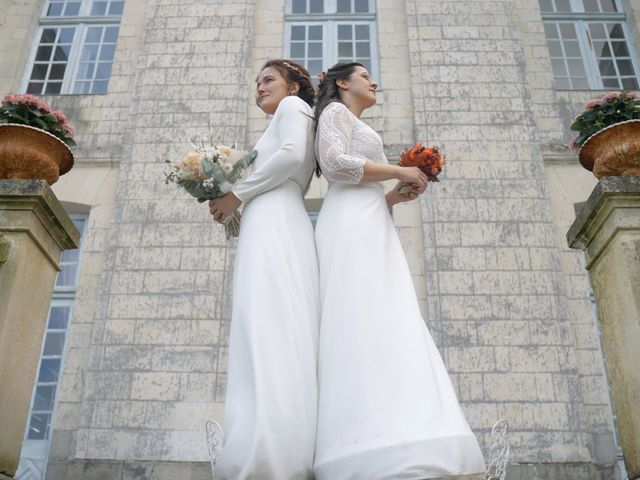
(614, 151)
(31, 153)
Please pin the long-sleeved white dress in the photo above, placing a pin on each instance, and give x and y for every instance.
(271, 397)
(387, 408)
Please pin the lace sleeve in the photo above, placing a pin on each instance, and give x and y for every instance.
(334, 138)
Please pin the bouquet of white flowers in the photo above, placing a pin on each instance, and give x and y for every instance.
(210, 171)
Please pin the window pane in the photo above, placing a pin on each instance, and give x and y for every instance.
(629, 84)
(572, 49)
(111, 35)
(362, 50)
(563, 5)
(94, 35)
(99, 86)
(315, 32)
(62, 53)
(53, 344)
(104, 71)
(607, 68)
(344, 32)
(297, 50)
(610, 83)
(362, 6)
(98, 8)
(57, 71)
(546, 6)
(66, 35)
(609, 6)
(297, 32)
(597, 31)
(314, 66)
(53, 88)
(44, 53)
(81, 87)
(55, 9)
(315, 50)
(48, 35)
(580, 84)
(316, 6)
(38, 426)
(49, 370)
(591, 6)
(615, 30)
(551, 30)
(39, 71)
(344, 6)
(620, 49)
(362, 32)
(568, 30)
(576, 68)
(558, 67)
(367, 64)
(67, 276)
(602, 49)
(43, 399)
(73, 8)
(562, 84)
(116, 8)
(555, 50)
(345, 49)
(299, 6)
(89, 53)
(625, 67)
(35, 88)
(107, 52)
(58, 318)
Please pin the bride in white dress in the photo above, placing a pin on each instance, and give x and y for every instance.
(387, 408)
(271, 398)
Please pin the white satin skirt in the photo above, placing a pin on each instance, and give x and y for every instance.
(271, 397)
(387, 408)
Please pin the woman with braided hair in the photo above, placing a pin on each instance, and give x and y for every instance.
(386, 407)
(271, 397)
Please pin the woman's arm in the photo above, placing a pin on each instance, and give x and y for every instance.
(334, 139)
(292, 128)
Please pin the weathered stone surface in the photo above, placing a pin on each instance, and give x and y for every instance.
(34, 229)
(608, 229)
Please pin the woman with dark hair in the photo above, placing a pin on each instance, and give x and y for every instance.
(271, 398)
(386, 408)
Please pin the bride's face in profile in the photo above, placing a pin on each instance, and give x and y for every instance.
(271, 88)
(361, 88)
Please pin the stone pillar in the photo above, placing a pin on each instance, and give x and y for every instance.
(34, 229)
(607, 228)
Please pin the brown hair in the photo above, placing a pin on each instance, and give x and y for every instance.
(293, 73)
(328, 90)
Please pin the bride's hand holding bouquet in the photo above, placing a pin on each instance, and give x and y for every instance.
(209, 172)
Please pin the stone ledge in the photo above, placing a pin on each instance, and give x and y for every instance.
(628, 187)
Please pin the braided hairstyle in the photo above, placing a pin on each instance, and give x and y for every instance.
(294, 73)
(328, 90)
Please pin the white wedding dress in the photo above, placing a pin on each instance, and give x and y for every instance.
(387, 408)
(271, 398)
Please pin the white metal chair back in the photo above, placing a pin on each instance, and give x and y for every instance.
(215, 438)
(499, 452)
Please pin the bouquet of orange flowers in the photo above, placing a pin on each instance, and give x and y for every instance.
(427, 159)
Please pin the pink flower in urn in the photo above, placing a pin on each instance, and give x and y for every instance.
(27, 99)
(596, 102)
(611, 96)
(69, 129)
